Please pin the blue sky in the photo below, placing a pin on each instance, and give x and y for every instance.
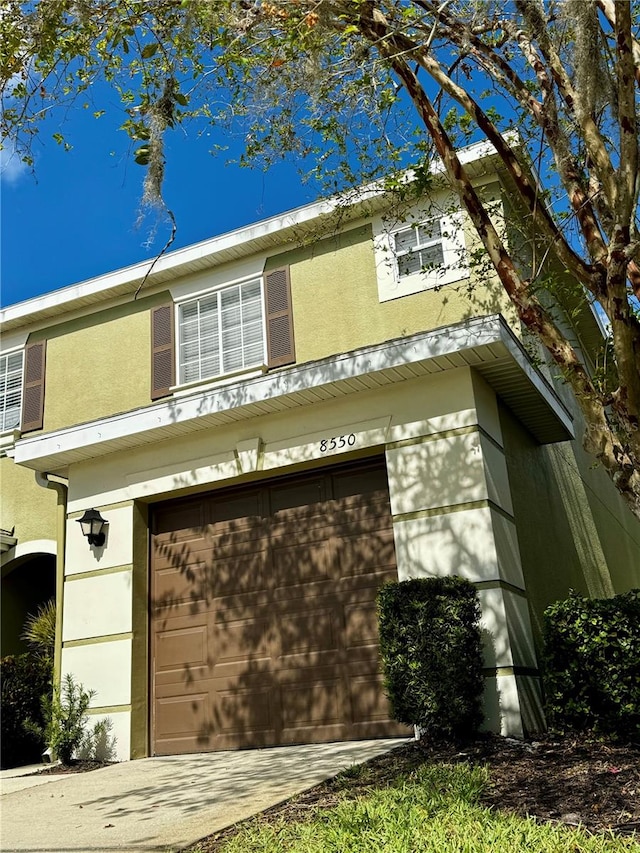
(75, 218)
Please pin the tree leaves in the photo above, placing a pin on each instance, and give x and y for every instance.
(149, 50)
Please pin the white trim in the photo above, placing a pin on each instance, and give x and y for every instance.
(3, 395)
(7, 542)
(204, 294)
(24, 549)
(478, 343)
(442, 208)
(217, 382)
(241, 239)
(13, 341)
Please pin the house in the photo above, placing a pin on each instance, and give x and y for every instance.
(273, 423)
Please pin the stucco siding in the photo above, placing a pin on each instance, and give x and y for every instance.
(573, 529)
(336, 307)
(98, 370)
(24, 505)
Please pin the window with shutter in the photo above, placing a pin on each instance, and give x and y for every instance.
(11, 366)
(221, 333)
(33, 387)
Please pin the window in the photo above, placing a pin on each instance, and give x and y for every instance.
(222, 332)
(10, 390)
(427, 250)
(419, 247)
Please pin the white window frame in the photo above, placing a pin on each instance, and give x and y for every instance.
(222, 374)
(419, 247)
(3, 397)
(391, 284)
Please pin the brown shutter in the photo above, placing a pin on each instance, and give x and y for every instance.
(280, 344)
(33, 387)
(162, 375)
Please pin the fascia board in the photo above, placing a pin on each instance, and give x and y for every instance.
(173, 264)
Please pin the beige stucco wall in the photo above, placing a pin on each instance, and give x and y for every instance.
(336, 306)
(98, 368)
(25, 505)
(573, 528)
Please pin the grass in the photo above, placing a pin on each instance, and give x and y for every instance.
(433, 809)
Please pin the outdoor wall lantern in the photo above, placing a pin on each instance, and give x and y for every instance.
(92, 524)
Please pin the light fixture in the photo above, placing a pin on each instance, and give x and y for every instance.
(92, 524)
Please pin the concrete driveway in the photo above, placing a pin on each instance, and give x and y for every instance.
(163, 804)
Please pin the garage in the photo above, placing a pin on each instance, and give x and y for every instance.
(263, 617)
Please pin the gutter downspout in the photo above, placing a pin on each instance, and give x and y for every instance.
(61, 487)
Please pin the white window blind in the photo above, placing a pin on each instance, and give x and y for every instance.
(221, 333)
(11, 367)
(419, 247)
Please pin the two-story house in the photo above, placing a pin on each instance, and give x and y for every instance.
(280, 420)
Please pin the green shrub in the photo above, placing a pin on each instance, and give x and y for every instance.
(25, 680)
(592, 665)
(432, 656)
(40, 631)
(66, 718)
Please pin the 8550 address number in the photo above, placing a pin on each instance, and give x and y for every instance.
(337, 442)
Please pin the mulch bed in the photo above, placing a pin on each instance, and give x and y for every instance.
(576, 781)
(79, 766)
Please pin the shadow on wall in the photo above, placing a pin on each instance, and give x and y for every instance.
(27, 583)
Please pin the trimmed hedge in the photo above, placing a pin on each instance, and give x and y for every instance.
(592, 665)
(432, 654)
(25, 680)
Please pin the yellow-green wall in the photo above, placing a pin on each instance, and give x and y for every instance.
(98, 370)
(99, 365)
(336, 306)
(24, 504)
(574, 531)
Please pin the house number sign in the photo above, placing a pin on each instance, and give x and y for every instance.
(337, 442)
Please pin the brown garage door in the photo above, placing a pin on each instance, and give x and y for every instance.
(264, 627)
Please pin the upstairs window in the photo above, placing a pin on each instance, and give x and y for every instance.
(11, 369)
(221, 333)
(418, 248)
(427, 250)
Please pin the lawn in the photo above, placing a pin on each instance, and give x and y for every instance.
(414, 801)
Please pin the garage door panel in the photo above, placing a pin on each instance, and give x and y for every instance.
(243, 511)
(241, 638)
(368, 701)
(234, 576)
(181, 646)
(269, 612)
(309, 631)
(244, 710)
(294, 565)
(297, 494)
(175, 585)
(312, 703)
(181, 717)
(360, 624)
(180, 522)
(362, 554)
(360, 481)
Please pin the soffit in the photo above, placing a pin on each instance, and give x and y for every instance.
(485, 344)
